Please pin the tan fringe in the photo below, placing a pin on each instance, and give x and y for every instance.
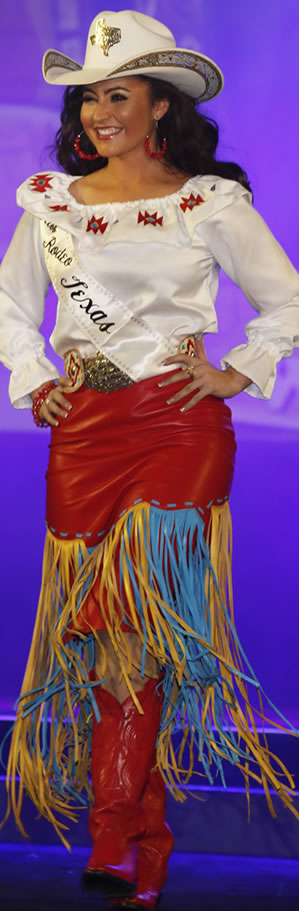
(224, 646)
(54, 616)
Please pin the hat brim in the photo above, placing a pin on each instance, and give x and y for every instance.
(189, 71)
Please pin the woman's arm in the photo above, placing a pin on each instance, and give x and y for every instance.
(242, 244)
(24, 283)
(246, 250)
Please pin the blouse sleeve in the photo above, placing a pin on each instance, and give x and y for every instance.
(24, 282)
(244, 247)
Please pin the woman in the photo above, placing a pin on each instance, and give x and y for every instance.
(135, 624)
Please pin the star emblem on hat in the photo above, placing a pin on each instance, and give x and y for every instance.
(149, 219)
(97, 224)
(190, 202)
(40, 183)
(105, 36)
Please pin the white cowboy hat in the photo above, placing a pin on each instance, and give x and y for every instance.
(113, 39)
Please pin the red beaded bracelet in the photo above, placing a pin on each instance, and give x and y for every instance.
(37, 404)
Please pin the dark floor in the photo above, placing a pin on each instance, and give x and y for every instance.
(35, 878)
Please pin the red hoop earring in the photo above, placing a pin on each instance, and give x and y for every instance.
(79, 152)
(155, 154)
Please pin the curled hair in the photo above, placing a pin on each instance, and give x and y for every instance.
(192, 138)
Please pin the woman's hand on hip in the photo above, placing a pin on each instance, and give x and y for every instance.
(202, 379)
(55, 405)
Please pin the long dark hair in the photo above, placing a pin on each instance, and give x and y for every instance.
(192, 138)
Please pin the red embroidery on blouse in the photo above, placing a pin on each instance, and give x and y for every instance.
(150, 219)
(97, 224)
(190, 202)
(59, 208)
(41, 182)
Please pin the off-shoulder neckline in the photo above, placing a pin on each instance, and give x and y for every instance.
(130, 202)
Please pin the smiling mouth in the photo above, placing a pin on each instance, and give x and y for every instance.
(108, 132)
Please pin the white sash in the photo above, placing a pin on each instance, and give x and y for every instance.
(124, 338)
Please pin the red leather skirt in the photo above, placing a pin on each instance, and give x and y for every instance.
(118, 448)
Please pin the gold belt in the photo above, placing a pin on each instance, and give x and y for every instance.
(95, 371)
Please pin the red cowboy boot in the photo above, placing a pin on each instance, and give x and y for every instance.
(154, 848)
(122, 749)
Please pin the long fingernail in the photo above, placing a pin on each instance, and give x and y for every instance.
(183, 408)
(69, 407)
(169, 401)
(66, 414)
(160, 384)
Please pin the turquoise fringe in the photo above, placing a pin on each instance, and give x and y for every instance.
(180, 571)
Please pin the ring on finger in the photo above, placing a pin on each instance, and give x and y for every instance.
(48, 401)
(190, 370)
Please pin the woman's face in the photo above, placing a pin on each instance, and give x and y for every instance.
(118, 114)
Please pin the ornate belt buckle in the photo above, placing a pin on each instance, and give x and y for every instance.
(74, 368)
(188, 346)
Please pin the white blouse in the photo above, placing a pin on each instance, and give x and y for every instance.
(160, 256)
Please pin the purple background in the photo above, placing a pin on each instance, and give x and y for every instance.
(256, 45)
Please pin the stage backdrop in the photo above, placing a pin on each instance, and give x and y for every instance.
(256, 45)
